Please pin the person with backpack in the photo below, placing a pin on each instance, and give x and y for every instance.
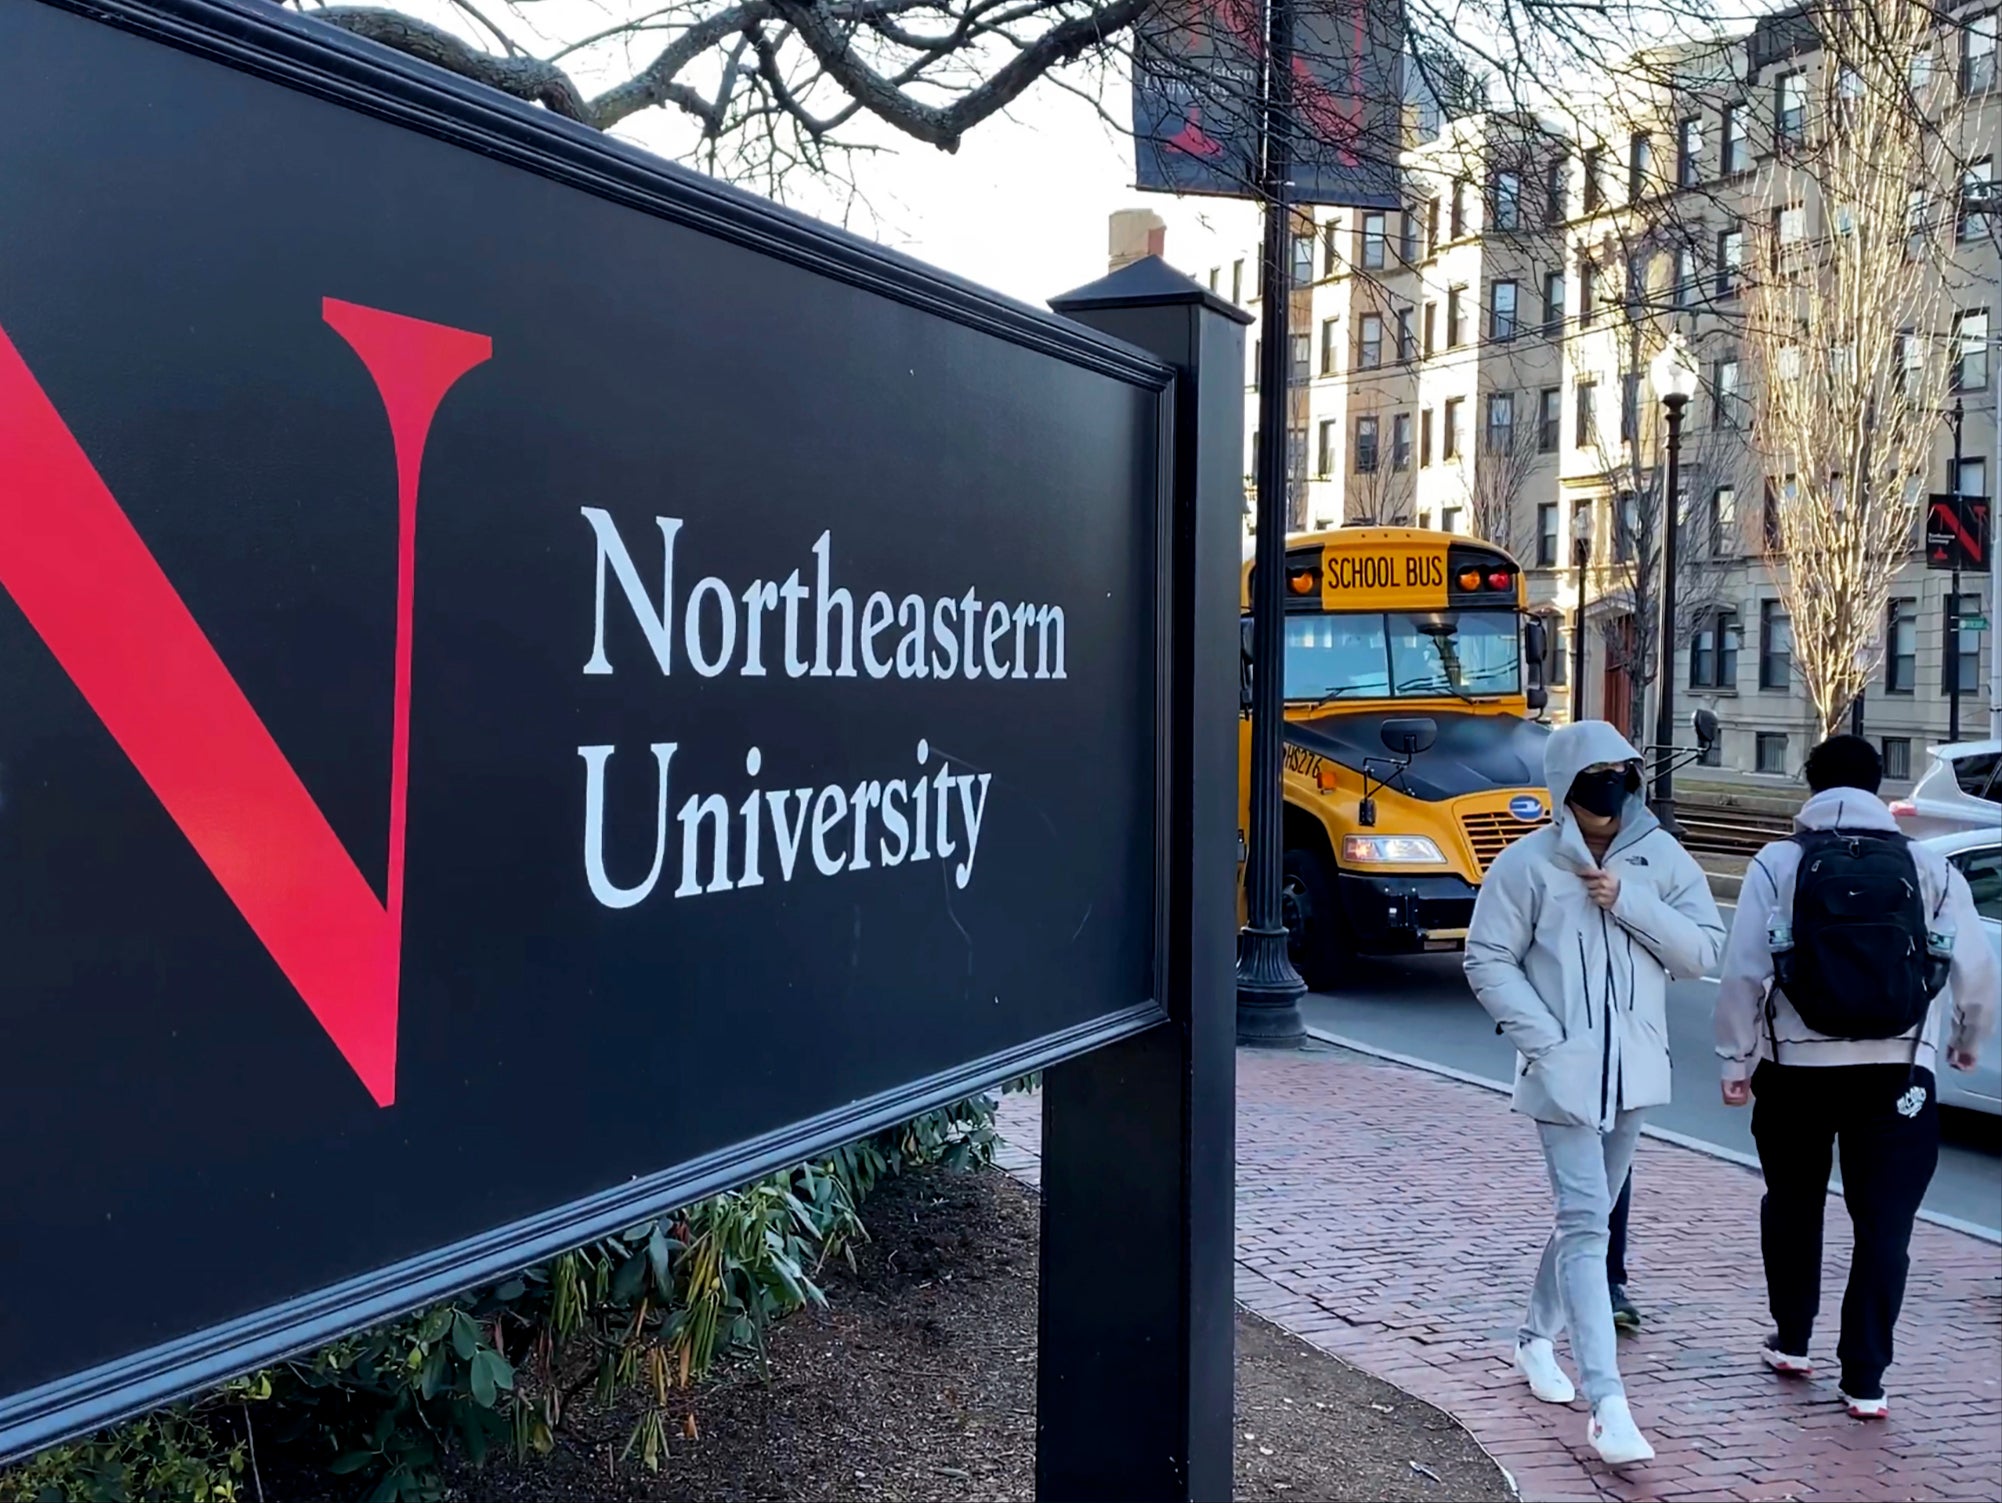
(1576, 932)
(1856, 956)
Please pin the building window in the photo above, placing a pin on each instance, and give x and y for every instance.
(1507, 206)
(1970, 335)
(1977, 194)
(1300, 347)
(1296, 454)
(1400, 442)
(1303, 260)
(1501, 422)
(1977, 57)
(1737, 151)
(1775, 647)
(1588, 290)
(1960, 658)
(1626, 527)
(1897, 758)
(1595, 171)
(1366, 455)
(1689, 153)
(1455, 320)
(1724, 394)
(1432, 227)
(1407, 335)
(1431, 328)
(1973, 476)
(1546, 534)
(1789, 110)
(1630, 407)
(1451, 447)
(1685, 276)
(1557, 666)
(1425, 438)
(1772, 752)
(1325, 465)
(1330, 342)
(1555, 187)
(1369, 341)
(1789, 226)
(1408, 249)
(1501, 315)
(1730, 262)
(1237, 281)
(1723, 521)
(1330, 234)
(1586, 394)
(1374, 251)
(1553, 303)
(1713, 652)
(1425, 521)
(1911, 360)
(1449, 519)
(1915, 223)
(1848, 94)
(1216, 272)
(1901, 647)
(1459, 208)
(1640, 164)
(1549, 419)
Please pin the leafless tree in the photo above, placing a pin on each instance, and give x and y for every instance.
(1847, 336)
(1499, 481)
(1379, 497)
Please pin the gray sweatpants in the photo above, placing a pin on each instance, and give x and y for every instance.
(1587, 1168)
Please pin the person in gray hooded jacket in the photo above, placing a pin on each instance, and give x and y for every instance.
(1578, 928)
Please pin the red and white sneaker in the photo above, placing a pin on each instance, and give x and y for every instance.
(1785, 1364)
(1867, 1409)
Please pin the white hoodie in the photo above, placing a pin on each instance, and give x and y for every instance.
(1966, 1004)
(1581, 991)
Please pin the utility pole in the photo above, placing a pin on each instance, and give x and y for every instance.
(1268, 988)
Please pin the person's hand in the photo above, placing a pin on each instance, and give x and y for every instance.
(1960, 1059)
(1737, 1092)
(1602, 886)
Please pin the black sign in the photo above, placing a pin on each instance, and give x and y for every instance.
(1196, 100)
(538, 687)
(1957, 530)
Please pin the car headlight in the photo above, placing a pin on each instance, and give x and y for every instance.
(1398, 850)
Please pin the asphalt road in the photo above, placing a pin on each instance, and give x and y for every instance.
(1421, 1008)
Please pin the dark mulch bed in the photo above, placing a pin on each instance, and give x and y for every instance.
(919, 1382)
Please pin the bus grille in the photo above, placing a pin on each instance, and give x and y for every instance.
(1490, 834)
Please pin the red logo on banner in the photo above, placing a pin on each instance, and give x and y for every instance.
(152, 677)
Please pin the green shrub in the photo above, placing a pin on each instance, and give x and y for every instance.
(647, 1312)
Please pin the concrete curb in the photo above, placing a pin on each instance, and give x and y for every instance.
(1661, 1134)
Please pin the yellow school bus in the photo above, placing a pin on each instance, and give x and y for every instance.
(1412, 758)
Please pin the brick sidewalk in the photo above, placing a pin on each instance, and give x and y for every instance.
(1394, 1218)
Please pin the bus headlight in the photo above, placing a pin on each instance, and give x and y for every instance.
(1393, 850)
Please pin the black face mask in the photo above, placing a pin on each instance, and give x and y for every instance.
(1602, 793)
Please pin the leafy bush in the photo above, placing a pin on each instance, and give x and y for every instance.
(645, 1312)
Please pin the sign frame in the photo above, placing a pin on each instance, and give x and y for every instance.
(323, 62)
(1959, 532)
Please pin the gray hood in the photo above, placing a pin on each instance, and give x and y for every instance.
(1569, 751)
(1845, 809)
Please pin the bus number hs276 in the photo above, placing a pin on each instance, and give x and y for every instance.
(1379, 571)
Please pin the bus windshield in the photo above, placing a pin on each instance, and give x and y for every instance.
(1402, 655)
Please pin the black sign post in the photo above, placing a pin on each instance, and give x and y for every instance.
(540, 688)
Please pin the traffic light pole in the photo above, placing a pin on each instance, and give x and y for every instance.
(1268, 988)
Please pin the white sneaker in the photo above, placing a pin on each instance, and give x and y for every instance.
(1867, 1409)
(1536, 1360)
(1614, 1435)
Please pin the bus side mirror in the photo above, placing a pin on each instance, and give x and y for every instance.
(1537, 697)
(1705, 722)
(1408, 735)
(1535, 641)
(1244, 664)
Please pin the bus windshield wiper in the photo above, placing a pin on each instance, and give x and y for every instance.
(1328, 698)
(1440, 682)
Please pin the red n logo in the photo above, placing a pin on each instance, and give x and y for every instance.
(155, 681)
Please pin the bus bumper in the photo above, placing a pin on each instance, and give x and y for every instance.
(1405, 915)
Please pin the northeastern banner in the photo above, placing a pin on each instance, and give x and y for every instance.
(1197, 66)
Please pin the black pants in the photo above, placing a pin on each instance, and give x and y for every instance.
(1888, 1155)
(1616, 1234)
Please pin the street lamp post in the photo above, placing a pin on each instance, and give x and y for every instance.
(1268, 988)
(1953, 598)
(1673, 373)
(1581, 555)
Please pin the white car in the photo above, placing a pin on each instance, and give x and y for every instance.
(1961, 790)
(1978, 855)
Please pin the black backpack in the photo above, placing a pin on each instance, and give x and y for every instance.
(1859, 967)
